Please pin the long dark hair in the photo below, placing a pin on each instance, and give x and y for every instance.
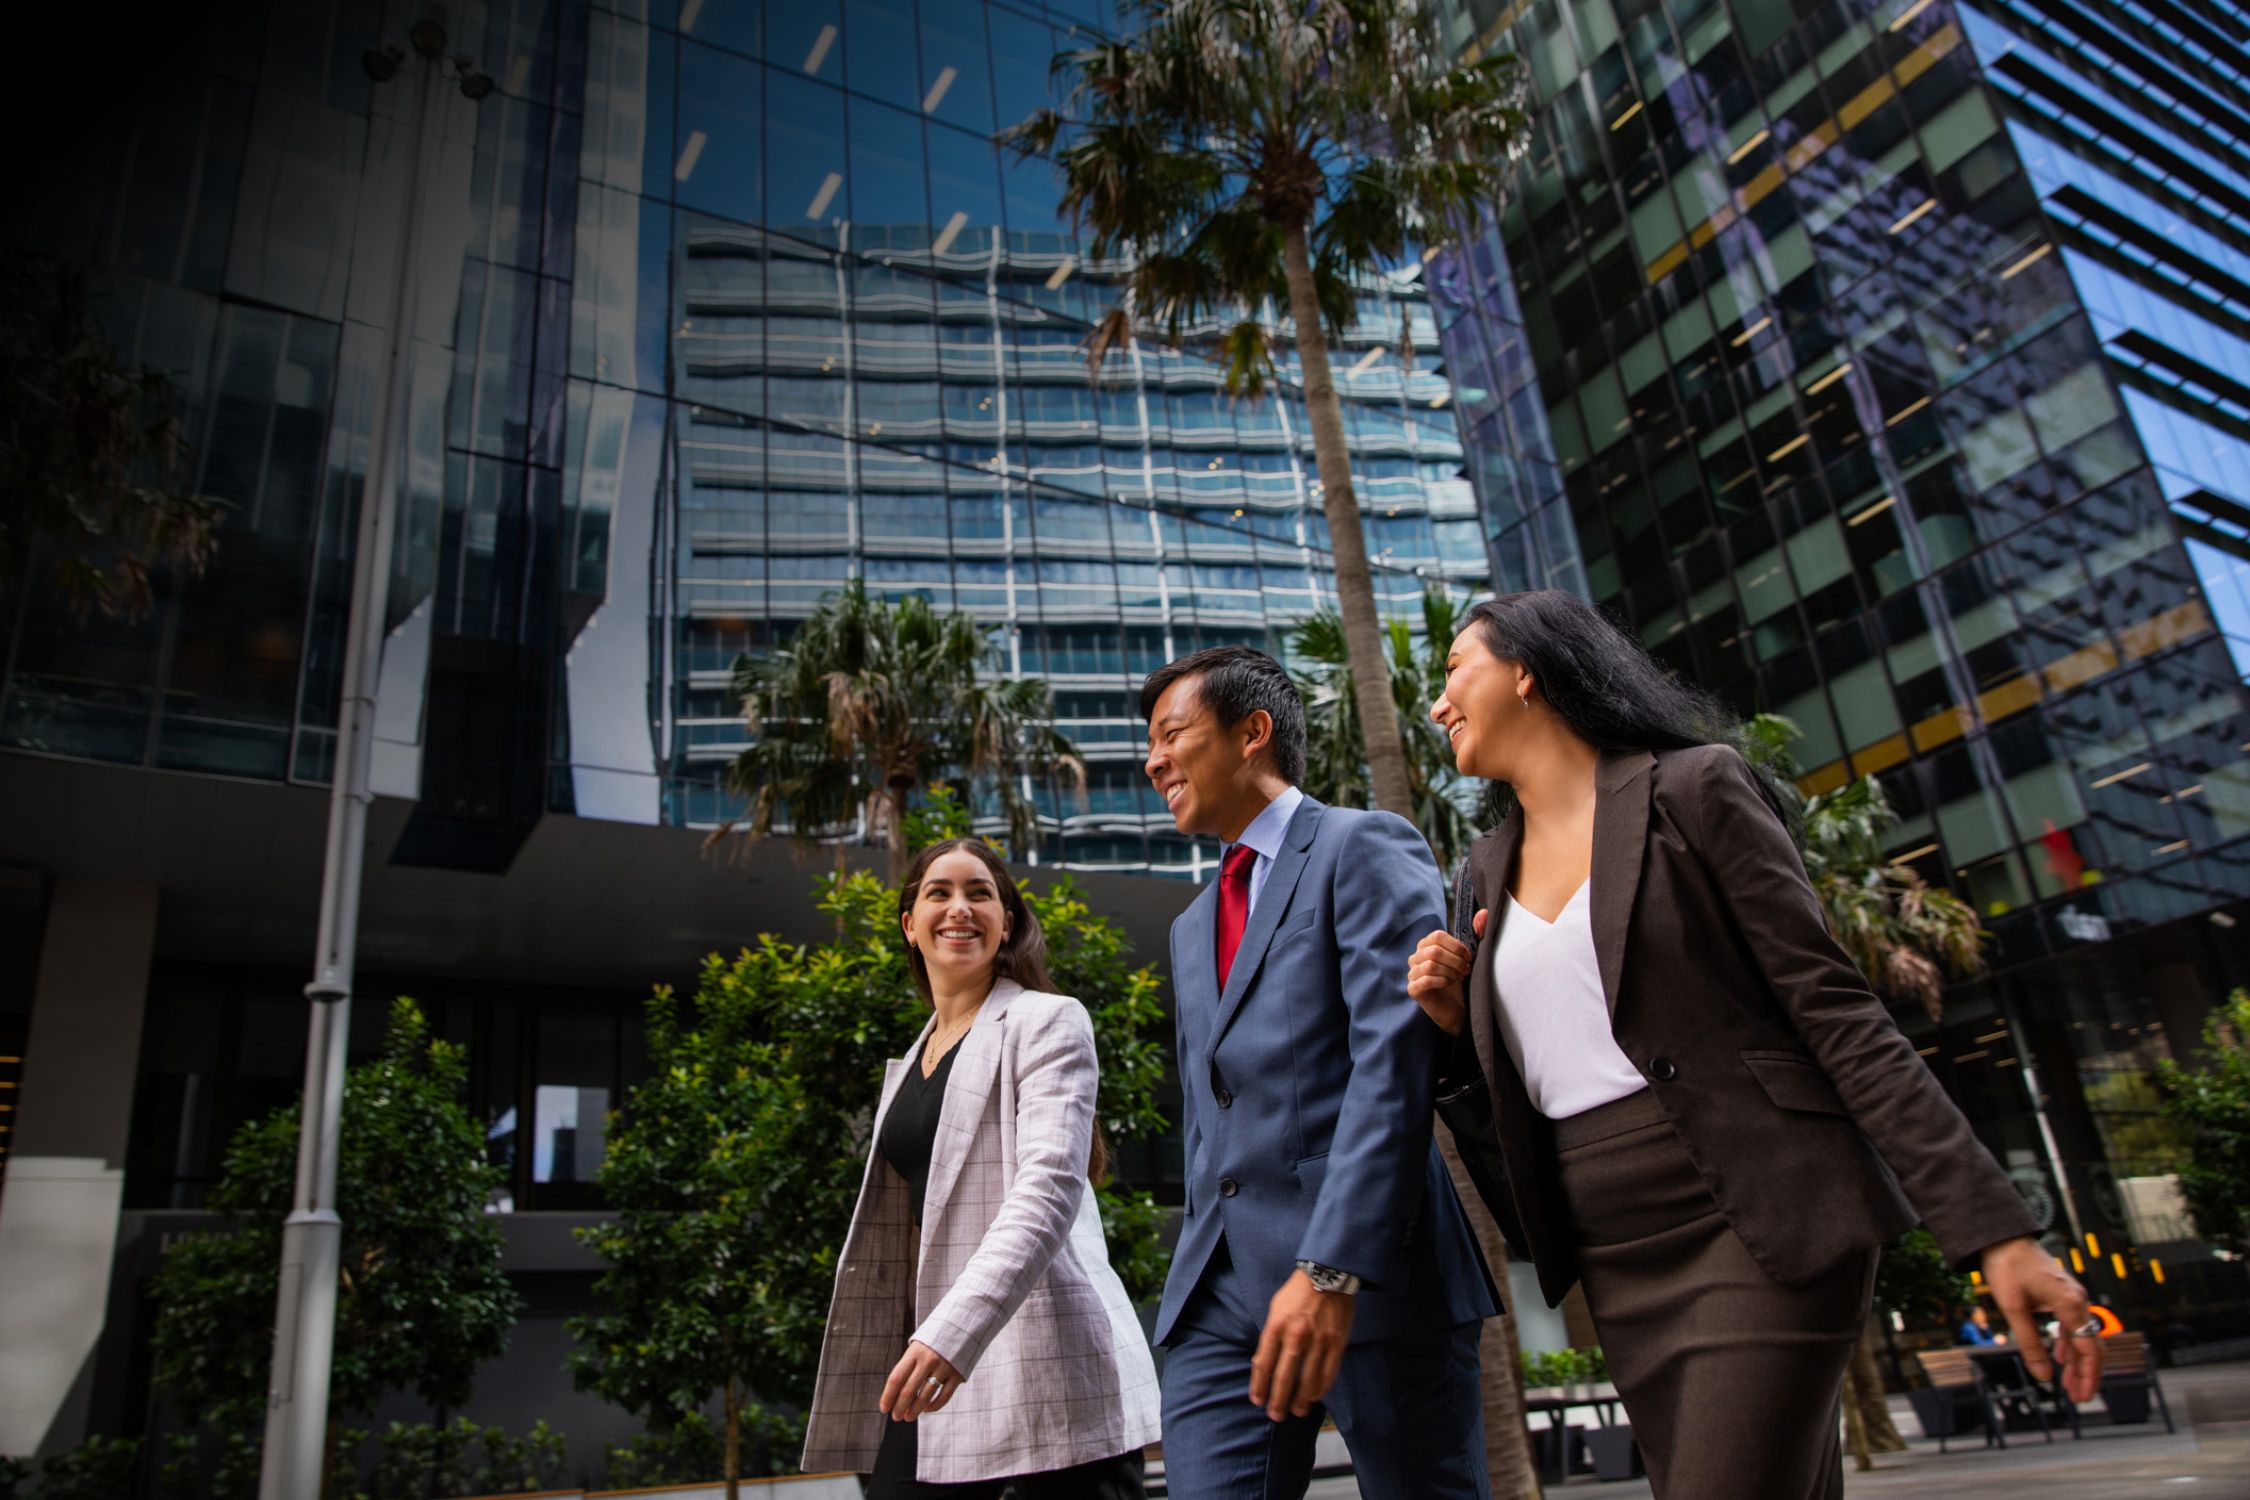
(1608, 689)
(1022, 955)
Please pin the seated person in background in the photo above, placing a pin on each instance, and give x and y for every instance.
(1975, 1327)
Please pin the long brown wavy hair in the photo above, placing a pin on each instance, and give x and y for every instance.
(1022, 955)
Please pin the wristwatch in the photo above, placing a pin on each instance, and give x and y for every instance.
(1328, 1278)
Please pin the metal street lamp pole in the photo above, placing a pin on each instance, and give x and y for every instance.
(296, 1434)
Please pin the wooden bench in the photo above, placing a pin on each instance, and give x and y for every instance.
(1956, 1399)
(2129, 1378)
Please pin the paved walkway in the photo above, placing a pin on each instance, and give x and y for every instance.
(2208, 1459)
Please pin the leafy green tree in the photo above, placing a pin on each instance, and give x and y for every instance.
(434, 1461)
(421, 1299)
(870, 700)
(92, 452)
(101, 1468)
(1915, 1280)
(2142, 1139)
(1254, 154)
(734, 1169)
(685, 1452)
(1336, 754)
(2213, 1102)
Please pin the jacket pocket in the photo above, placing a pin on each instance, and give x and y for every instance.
(1795, 1081)
(1311, 1173)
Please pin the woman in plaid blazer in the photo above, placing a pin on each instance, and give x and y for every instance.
(978, 1338)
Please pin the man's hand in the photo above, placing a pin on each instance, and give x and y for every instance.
(1303, 1343)
(2026, 1281)
(1438, 974)
(921, 1381)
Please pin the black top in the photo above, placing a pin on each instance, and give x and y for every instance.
(910, 1129)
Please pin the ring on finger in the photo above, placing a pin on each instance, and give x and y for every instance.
(2091, 1328)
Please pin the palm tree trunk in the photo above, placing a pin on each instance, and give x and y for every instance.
(328, 1456)
(1507, 1440)
(734, 1444)
(1864, 1389)
(895, 839)
(1355, 585)
(1855, 1429)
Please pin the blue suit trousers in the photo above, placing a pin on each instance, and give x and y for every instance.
(1408, 1408)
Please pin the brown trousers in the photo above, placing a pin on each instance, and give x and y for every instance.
(1732, 1381)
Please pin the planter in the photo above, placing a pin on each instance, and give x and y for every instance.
(1559, 1452)
(1937, 1411)
(1616, 1455)
(2127, 1403)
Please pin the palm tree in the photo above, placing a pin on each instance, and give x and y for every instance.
(1904, 934)
(1336, 758)
(1252, 154)
(870, 700)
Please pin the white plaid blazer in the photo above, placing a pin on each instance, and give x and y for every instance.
(1011, 1282)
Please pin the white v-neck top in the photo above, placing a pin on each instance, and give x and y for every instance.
(1553, 1014)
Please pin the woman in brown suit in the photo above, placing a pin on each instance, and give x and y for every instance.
(1675, 1087)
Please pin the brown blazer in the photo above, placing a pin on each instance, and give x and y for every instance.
(1815, 1125)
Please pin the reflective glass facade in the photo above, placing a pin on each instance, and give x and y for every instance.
(720, 305)
(1883, 365)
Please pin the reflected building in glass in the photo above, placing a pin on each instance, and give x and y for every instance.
(1887, 366)
(718, 304)
(716, 312)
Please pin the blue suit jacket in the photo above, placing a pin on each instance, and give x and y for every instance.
(1307, 1084)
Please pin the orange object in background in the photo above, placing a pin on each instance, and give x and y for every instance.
(2111, 1322)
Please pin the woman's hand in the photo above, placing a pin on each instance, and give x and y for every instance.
(921, 1381)
(2026, 1281)
(1438, 975)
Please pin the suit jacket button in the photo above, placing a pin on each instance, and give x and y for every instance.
(1661, 1069)
(1226, 1100)
(1228, 1187)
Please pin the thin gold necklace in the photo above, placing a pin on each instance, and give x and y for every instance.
(941, 1042)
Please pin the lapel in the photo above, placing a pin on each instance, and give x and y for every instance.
(894, 1074)
(975, 1071)
(1195, 986)
(1621, 790)
(1273, 900)
(1499, 861)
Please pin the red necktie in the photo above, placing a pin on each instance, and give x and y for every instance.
(1234, 904)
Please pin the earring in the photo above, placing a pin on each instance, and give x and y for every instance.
(1524, 699)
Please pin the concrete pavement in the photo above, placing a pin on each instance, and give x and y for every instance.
(2207, 1459)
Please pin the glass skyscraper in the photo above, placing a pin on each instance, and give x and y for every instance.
(1882, 365)
(719, 304)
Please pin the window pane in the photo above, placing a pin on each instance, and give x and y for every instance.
(628, 129)
(732, 24)
(718, 164)
(956, 87)
(964, 194)
(804, 35)
(879, 48)
(888, 206)
(1021, 52)
(805, 121)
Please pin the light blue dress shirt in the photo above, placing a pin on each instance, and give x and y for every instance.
(1265, 834)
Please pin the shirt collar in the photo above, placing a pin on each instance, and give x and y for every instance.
(1271, 825)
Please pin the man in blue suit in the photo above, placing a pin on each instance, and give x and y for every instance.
(1323, 1262)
